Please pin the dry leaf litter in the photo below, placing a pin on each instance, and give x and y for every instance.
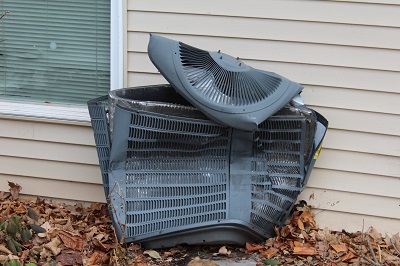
(41, 232)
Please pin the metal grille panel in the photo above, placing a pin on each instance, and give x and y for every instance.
(179, 168)
(278, 161)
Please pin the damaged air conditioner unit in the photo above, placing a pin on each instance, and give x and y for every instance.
(219, 155)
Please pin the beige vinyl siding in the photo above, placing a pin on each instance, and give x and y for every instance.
(50, 159)
(345, 53)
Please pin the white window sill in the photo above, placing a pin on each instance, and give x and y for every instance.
(45, 111)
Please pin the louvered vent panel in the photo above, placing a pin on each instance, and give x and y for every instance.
(223, 86)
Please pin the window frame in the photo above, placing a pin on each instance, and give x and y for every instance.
(77, 113)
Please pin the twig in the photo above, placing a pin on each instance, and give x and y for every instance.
(372, 252)
(380, 254)
(367, 260)
(361, 245)
(395, 248)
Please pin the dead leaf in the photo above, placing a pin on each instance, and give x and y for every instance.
(176, 250)
(21, 209)
(53, 246)
(307, 251)
(253, 247)
(3, 195)
(3, 258)
(4, 249)
(372, 232)
(13, 257)
(7, 212)
(306, 218)
(285, 231)
(67, 226)
(25, 254)
(96, 258)
(322, 249)
(393, 241)
(340, 248)
(102, 246)
(300, 224)
(269, 253)
(389, 258)
(167, 254)
(96, 206)
(347, 257)
(38, 241)
(295, 217)
(99, 236)
(74, 241)
(14, 190)
(224, 251)
(290, 260)
(200, 262)
(279, 244)
(297, 244)
(70, 258)
(152, 253)
(138, 263)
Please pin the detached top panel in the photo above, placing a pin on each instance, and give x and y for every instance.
(223, 87)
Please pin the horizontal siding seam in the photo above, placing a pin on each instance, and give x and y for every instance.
(301, 63)
(259, 39)
(48, 141)
(356, 151)
(365, 2)
(358, 110)
(348, 88)
(269, 18)
(356, 172)
(157, 74)
(48, 160)
(369, 153)
(55, 179)
(316, 84)
(350, 172)
(321, 210)
(354, 192)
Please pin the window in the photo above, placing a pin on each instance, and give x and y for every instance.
(54, 51)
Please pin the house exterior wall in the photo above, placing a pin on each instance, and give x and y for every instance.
(345, 53)
(48, 158)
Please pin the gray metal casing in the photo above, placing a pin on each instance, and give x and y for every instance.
(176, 177)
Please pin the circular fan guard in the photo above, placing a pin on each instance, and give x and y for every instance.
(240, 86)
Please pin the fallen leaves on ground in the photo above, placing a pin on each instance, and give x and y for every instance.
(202, 262)
(42, 232)
(301, 242)
(152, 253)
(14, 189)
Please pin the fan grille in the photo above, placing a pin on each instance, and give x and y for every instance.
(234, 88)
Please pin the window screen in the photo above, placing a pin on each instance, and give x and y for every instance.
(54, 51)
